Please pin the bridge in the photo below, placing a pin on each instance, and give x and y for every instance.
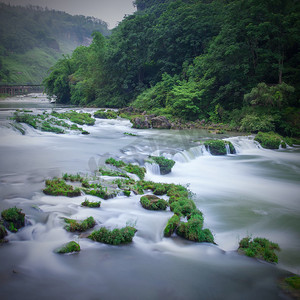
(16, 89)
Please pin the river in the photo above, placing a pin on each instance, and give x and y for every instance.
(254, 192)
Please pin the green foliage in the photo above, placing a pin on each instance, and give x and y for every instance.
(115, 236)
(182, 206)
(172, 225)
(68, 248)
(75, 117)
(135, 169)
(13, 218)
(90, 204)
(165, 165)
(113, 173)
(152, 202)
(254, 123)
(129, 133)
(269, 140)
(72, 177)
(260, 248)
(58, 187)
(73, 225)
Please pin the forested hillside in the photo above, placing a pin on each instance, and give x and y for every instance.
(221, 61)
(32, 39)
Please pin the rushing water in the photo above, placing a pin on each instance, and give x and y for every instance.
(255, 192)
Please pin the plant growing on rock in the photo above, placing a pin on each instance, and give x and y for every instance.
(260, 248)
(73, 225)
(152, 202)
(13, 218)
(268, 140)
(3, 232)
(58, 187)
(109, 114)
(115, 236)
(68, 248)
(90, 204)
(172, 225)
(218, 147)
(165, 165)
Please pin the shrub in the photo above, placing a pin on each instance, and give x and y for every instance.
(152, 202)
(260, 248)
(115, 236)
(87, 203)
(269, 140)
(13, 218)
(255, 123)
(73, 225)
(165, 165)
(68, 248)
(172, 225)
(58, 187)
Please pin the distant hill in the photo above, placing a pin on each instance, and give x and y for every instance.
(32, 39)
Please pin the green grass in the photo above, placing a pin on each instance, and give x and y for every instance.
(75, 117)
(74, 225)
(13, 218)
(165, 165)
(268, 140)
(90, 204)
(152, 202)
(115, 236)
(58, 187)
(260, 248)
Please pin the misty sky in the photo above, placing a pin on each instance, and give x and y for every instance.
(110, 11)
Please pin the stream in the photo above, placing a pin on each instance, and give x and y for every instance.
(253, 192)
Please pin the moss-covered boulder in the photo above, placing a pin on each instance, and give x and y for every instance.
(165, 165)
(152, 202)
(68, 248)
(90, 204)
(74, 225)
(58, 187)
(291, 286)
(102, 114)
(113, 237)
(172, 225)
(260, 248)
(219, 147)
(182, 206)
(3, 232)
(13, 219)
(268, 140)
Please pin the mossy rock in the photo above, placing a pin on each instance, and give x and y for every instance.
(165, 165)
(13, 219)
(218, 147)
(90, 204)
(58, 187)
(3, 232)
(68, 248)
(110, 114)
(182, 206)
(113, 237)
(152, 202)
(291, 286)
(260, 248)
(172, 225)
(268, 140)
(74, 225)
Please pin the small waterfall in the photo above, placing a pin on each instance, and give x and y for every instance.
(152, 168)
(244, 144)
(227, 149)
(190, 154)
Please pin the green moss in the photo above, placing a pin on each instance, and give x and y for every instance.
(113, 173)
(135, 169)
(182, 206)
(87, 203)
(96, 189)
(110, 114)
(116, 163)
(165, 165)
(68, 248)
(85, 132)
(3, 232)
(75, 117)
(218, 147)
(115, 236)
(172, 225)
(152, 202)
(127, 193)
(73, 178)
(268, 140)
(73, 225)
(13, 218)
(293, 282)
(58, 187)
(260, 248)
(192, 229)
(130, 134)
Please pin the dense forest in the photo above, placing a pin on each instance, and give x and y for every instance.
(230, 61)
(32, 39)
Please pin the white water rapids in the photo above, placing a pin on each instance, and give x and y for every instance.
(254, 192)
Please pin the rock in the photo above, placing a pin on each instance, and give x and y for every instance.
(141, 123)
(152, 202)
(160, 122)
